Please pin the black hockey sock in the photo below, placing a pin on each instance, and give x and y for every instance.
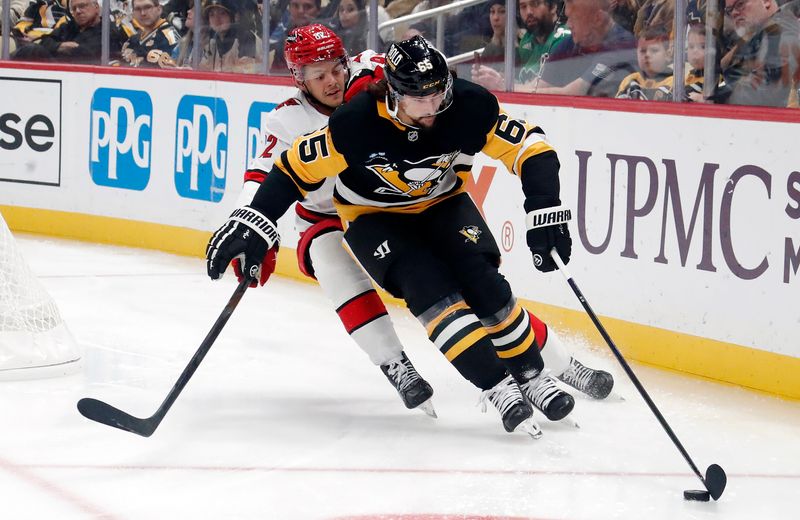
(461, 337)
(514, 339)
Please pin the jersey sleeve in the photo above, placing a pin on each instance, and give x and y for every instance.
(311, 159)
(513, 141)
(273, 142)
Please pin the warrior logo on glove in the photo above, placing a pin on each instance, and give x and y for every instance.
(547, 229)
(249, 240)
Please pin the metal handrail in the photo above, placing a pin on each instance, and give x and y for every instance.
(464, 56)
(430, 13)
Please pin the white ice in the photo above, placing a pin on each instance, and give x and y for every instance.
(287, 419)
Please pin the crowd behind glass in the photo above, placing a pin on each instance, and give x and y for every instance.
(730, 51)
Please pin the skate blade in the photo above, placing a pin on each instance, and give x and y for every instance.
(427, 407)
(569, 421)
(613, 396)
(530, 427)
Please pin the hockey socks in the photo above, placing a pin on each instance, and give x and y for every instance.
(462, 339)
(514, 340)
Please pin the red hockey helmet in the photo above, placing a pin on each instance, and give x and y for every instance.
(311, 44)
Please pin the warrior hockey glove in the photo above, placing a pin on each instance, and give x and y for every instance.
(247, 236)
(547, 228)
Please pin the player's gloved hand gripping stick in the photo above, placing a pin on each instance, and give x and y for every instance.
(247, 236)
(715, 478)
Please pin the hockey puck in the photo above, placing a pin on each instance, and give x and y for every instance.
(698, 495)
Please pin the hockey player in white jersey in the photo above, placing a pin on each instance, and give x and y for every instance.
(321, 68)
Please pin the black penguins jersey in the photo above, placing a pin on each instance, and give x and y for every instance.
(384, 165)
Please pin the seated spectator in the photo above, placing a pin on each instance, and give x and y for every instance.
(300, 13)
(350, 24)
(16, 10)
(543, 33)
(176, 12)
(228, 46)
(153, 45)
(762, 65)
(594, 59)
(695, 73)
(40, 18)
(653, 80)
(78, 40)
(494, 49)
(182, 54)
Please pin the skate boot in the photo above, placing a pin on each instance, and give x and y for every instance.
(594, 383)
(515, 412)
(545, 396)
(414, 391)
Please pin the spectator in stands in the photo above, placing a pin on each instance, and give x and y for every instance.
(182, 54)
(176, 12)
(543, 33)
(762, 65)
(16, 10)
(658, 15)
(350, 24)
(653, 80)
(494, 49)
(40, 18)
(78, 40)
(594, 59)
(300, 13)
(153, 44)
(228, 46)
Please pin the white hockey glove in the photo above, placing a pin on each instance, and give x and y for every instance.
(247, 237)
(547, 228)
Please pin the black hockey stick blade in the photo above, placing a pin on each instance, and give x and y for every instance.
(715, 481)
(104, 413)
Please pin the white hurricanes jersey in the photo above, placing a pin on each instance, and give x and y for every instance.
(295, 117)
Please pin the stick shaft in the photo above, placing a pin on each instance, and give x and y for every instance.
(205, 346)
(628, 370)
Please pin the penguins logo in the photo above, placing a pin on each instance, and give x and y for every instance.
(472, 233)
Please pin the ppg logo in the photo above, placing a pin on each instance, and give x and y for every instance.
(120, 138)
(201, 148)
(256, 120)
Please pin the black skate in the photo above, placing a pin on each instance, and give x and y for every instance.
(514, 410)
(594, 383)
(414, 391)
(543, 393)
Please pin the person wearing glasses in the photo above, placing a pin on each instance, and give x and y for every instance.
(761, 66)
(155, 41)
(79, 40)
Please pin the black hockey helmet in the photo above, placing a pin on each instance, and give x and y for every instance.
(415, 68)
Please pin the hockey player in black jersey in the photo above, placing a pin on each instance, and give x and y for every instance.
(402, 155)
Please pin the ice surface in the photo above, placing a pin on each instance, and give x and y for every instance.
(287, 419)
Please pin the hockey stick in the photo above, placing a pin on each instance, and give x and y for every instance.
(106, 414)
(715, 479)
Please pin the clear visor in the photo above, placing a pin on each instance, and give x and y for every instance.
(418, 107)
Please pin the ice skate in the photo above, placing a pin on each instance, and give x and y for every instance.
(515, 412)
(414, 391)
(543, 393)
(594, 383)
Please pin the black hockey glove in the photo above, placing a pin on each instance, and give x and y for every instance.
(247, 236)
(547, 228)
